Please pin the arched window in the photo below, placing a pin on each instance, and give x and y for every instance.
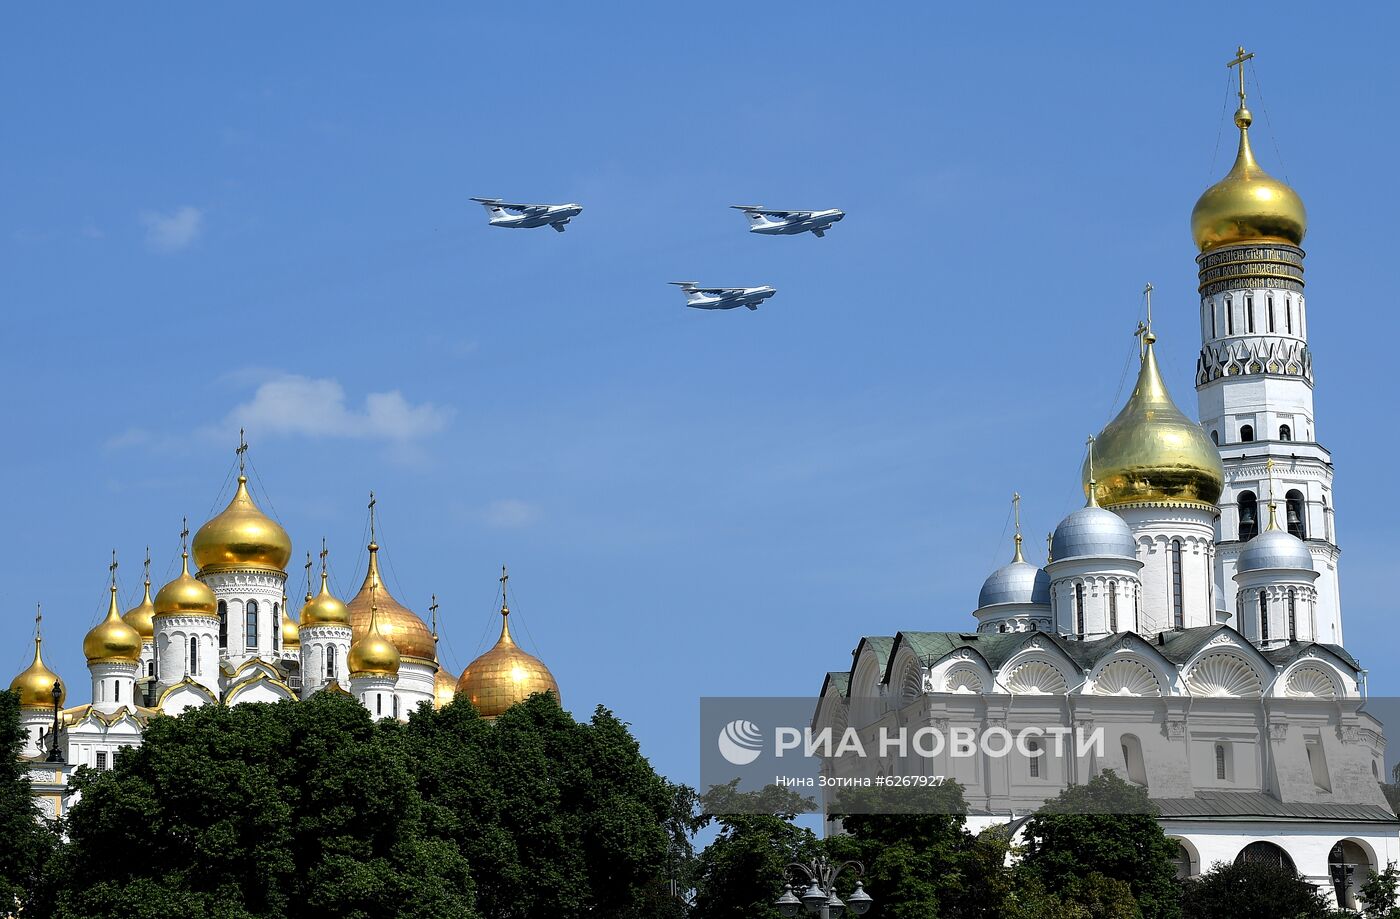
(1229, 316)
(330, 662)
(1178, 611)
(1297, 524)
(1249, 314)
(1035, 626)
(223, 624)
(250, 624)
(194, 656)
(1264, 853)
(116, 691)
(1263, 616)
(379, 703)
(1246, 433)
(1079, 609)
(1292, 614)
(1213, 332)
(396, 706)
(151, 667)
(1288, 313)
(1220, 762)
(1113, 606)
(1269, 306)
(276, 626)
(1033, 746)
(1133, 762)
(1215, 437)
(1249, 515)
(1285, 432)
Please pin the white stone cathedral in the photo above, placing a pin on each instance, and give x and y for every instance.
(225, 636)
(1191, 609)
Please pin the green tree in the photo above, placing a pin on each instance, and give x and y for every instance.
(557, 818)
(299, 809)
(1251, 890)
(26, 841)
(1379, 892)
(1110, 827)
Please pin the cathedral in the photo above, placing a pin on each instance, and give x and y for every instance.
(225, 635)
(1191, 609)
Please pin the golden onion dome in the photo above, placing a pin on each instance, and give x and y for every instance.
(186, 595)
(373, 653)
(504, 675)
(1151, 452)
(112, 640)
(139, 616)
(242, 536)
(444, 687)
(291, 636)
(397, 622)
(34, 685)
(1248, 205)
(324, 609)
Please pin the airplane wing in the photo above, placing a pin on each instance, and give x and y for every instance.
(527, 208)
(721, 291)
(785, 215)
(496, 201)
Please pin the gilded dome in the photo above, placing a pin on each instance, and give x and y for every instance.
(1152, 452)
(1248, 204)
(504, 675)
(324, 609)
(34, 685)
(242, 536)
(139, 616)
(373, 653)
(397, 622)
(444, 687)
(291, 636)
(186, 596)
(112, 640)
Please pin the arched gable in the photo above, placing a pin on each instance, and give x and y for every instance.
(1132, 667)
(183, 695)
(964, 671)
(1038, 667)
(867, 679)
(259, 688)
(1227, 666)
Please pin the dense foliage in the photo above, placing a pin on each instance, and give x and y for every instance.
(312, 809)
(25, 841)
(1251, 890)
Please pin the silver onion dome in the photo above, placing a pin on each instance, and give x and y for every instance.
(1016, 582)
(1275, 549)
(1094, 532)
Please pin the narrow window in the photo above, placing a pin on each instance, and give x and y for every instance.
(151, 667)
(396, 706)
(116, 691)
(1295, 509)
(1178, 614)
(330, 662)
(1229, 317)
(1249, 313)
(1136, 621)
(1220, 762)
(1285, 432)
(102, 759)
(1113, 606)
(1034, 747)
(1269, 306)
(223, 624)
(1215, 438)
(1079, 608)
(1288, 314)
(276, 626)
(250, 624)
(1292, 614)
(379, 703)
(1246, 433)
(194, 656)
(1213, 332)
(1263, 616)
(1249, 515)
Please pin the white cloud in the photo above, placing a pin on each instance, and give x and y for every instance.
(292, 404)
(510, 513)
(173, 231)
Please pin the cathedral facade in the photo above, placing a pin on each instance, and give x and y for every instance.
(1191, 609)
(225, 635)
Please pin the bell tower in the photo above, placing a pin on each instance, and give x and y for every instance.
(1254, 377)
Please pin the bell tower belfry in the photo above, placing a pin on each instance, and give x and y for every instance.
(1254, 377)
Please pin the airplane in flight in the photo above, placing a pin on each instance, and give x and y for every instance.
(723, 298)
(529, 215)
(771, 222)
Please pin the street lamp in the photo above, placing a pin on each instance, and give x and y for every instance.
(55, 755)
(820, 899)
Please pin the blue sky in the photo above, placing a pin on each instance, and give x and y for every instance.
(210, 218)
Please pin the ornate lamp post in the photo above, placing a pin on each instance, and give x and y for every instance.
(55, 755)
(819, 898)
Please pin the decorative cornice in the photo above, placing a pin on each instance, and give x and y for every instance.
(1250, 267)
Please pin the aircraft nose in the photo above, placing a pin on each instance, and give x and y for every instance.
(840, 215)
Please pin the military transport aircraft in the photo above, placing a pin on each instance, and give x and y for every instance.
(529, 215)
(788, 223)
(723, 298)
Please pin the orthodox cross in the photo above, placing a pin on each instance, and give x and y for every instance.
(1144, 329)
(372, 502)
(1240, 57)
(1016, 509)
(146, 567)
(505, 576)
(184, 532)
(308, 576)
(1049, 548)
(433, 609)
(113, 568)
(38, 619)
(241, 451)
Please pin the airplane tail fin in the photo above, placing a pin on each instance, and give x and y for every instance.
(492, 205)
(751, 211)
